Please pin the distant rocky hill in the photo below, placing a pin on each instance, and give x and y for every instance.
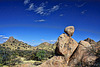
(46, 46)
(14, 44)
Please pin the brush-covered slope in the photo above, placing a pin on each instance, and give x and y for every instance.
(46, 46)
(14, 44)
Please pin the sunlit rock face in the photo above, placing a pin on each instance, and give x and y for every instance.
(56, 61)
(65, 46)
(82, 55)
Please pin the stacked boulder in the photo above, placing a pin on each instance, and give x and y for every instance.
(65, 44)
(68, 51)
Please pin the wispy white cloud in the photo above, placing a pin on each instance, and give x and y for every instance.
(33, 40)
(84, 11)
(3, 38)
(61, 15)
(49, 41)
(31, 7)
(54, 8)
(41, 20)
(26, 1)
(39, 10)
(1, 35)
(81, 5)
(42, 8)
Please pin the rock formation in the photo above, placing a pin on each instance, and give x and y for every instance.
(65, 46)
(68, 52)
(82, 54)
(11, 39)
(90, 41)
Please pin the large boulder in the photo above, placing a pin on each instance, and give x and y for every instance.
(82, 55)
(65, 46)
(85, 43)
(69, 30)
(56, 61)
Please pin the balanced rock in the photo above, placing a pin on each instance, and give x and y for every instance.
(65, 47)
(69, 30)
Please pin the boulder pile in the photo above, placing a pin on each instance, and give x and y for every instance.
(68, 52)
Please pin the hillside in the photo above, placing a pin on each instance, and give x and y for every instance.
(14, 44)
(46, 46)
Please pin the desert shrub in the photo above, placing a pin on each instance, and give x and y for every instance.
(3, 44)
(6, 56)
(18, 48)
(41, 54)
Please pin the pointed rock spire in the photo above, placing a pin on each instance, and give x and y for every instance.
(11, 39)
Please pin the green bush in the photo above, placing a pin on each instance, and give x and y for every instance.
(41, 54)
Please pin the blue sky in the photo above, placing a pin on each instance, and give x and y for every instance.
(38, 21)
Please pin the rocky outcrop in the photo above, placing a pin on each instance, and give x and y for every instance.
(56, 61)
(90, 41)
(98, 43)
(82, 54)
(46, 43)
(65, 47)
(11, 39)
(69, 53)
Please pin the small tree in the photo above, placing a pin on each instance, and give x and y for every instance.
(41, 54)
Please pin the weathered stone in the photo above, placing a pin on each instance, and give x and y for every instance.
(82, 54)
(11, 39)
(56, 61)
(98, 43)
(65, 46)
(90, 41)
(85, 43)
(69, 30)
